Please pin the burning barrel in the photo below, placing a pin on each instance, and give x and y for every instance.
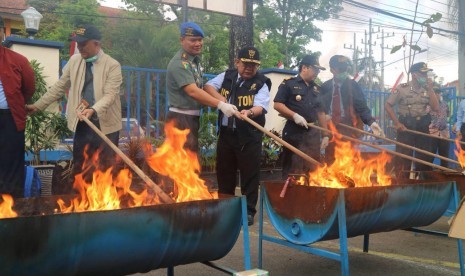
(116, 242)
(308, 214)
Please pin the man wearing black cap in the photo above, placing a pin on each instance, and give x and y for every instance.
(298, 101)
(184, 84)
(412, 100)
(239, 143)
(345, 103)
(95, 78)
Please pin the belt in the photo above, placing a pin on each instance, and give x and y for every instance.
(193, 112)
(5, 111)
(418, 118)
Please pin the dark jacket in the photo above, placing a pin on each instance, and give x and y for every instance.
(18, 84)
(353, 101)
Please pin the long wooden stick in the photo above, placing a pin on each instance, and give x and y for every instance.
(428, 135)
(163, 196)
(400, 144)
(279, 140)
(389, 151)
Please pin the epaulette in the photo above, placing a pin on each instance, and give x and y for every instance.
(286, 79)
(404, 85)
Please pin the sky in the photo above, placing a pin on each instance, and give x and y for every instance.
(441, 54)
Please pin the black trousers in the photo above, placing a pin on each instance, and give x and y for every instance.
(87, 143)
(441, 147)
(232, 156)
(191, 122)
(11, 156)
(420, 124)
(306, 140)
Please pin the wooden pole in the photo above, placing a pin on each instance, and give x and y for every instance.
(389, 151)
(279, 140)
(428, 135)
(163, 196)
(401, 144)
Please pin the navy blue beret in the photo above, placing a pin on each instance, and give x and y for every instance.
(191, 29)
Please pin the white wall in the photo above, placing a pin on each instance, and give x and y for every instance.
(49, 60)
(273, 120)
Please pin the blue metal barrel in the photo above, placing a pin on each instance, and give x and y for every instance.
(309, 214)
(118, 242)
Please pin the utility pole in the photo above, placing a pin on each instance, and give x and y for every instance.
(382, 55)
(354, 55)
(369, 54)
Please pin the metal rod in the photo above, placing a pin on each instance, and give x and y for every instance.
(428, 135)
(401, 144)
(279, 140)
(389, 151)
(163, 196)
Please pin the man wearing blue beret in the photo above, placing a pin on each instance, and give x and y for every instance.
(184, 84)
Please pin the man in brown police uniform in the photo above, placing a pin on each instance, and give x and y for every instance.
(412, 99)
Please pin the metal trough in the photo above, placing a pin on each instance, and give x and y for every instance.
(309, 214)
(306, 215)
(117, 242)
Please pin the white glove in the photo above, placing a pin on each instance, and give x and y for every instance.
(377, 129)
(227, 109)
(299, 120)
(324, 143)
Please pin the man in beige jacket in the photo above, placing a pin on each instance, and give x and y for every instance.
(95, 77)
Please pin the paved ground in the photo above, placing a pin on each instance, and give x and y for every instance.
(391, 253)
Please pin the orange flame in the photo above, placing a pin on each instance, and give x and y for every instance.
(181, 165)
(106, 192)
(6, 207)
(350, 169)
(459, 152)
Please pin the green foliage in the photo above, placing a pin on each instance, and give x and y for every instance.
(426, 27)
(44, 129)
(208, 140)
(61, 17)
(288, 24)
(271, 150)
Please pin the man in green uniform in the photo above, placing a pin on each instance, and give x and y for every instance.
(412, 99)
(184, 83)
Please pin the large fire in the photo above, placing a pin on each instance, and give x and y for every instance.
(106, 192)
(350, 169)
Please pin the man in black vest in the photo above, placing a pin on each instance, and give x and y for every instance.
(239, 143)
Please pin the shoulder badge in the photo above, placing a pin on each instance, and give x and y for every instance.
(316, 90)
(185, 64)
(404, 85)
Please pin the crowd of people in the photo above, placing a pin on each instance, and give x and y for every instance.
(93, 80)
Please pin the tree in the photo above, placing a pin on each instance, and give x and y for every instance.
(63, 16)
(288, 24)
(241, 32)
